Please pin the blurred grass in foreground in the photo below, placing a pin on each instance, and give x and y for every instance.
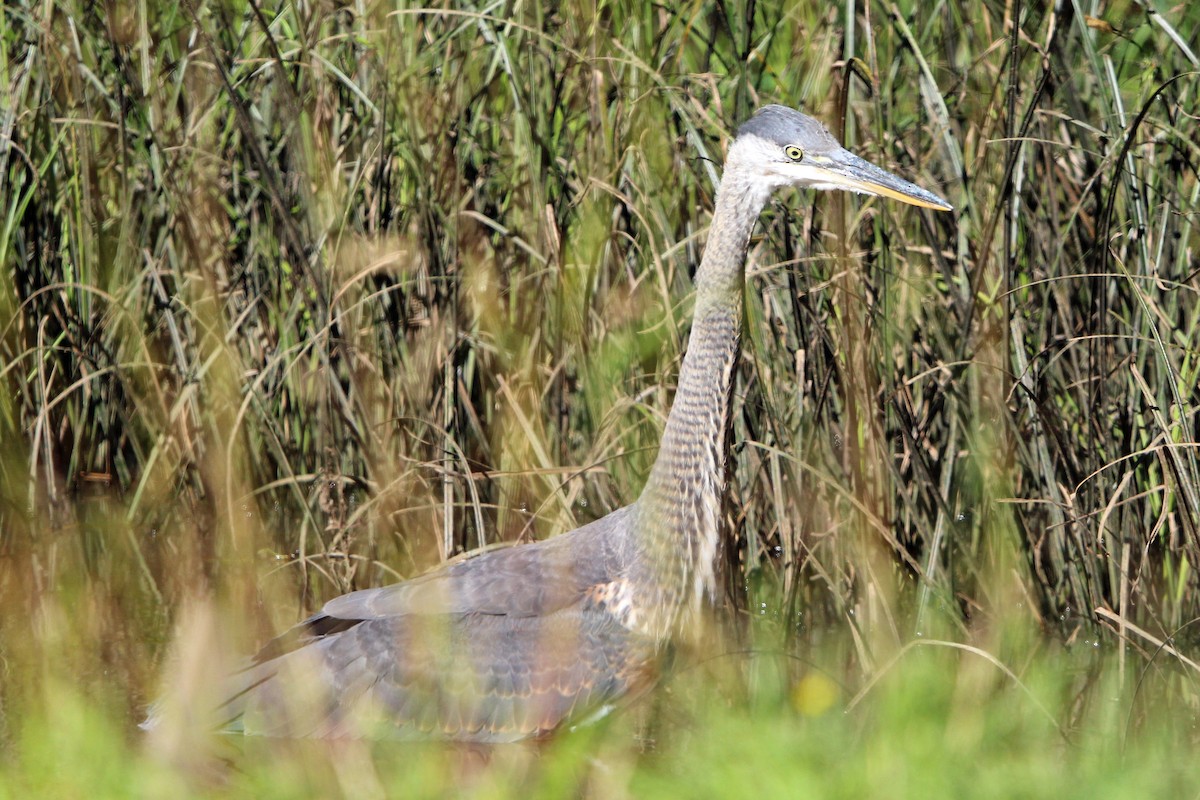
(300, 297)
(939, 722)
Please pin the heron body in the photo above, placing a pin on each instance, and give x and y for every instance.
(510, 643)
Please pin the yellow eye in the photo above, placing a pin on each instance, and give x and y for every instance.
(793, 152)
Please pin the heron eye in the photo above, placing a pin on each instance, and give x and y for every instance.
(793, 152)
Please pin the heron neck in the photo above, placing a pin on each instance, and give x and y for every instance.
(679, 509)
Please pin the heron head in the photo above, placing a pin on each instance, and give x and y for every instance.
(783, 147)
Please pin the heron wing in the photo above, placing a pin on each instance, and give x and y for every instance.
(496, 647)
(466, 677)
(522, 580)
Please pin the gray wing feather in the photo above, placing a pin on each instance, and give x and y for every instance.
(522, 580)
(464, 677)
(497, 647)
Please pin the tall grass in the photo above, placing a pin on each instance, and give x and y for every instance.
(302, 297)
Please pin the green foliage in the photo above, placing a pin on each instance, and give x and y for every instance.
(301, 297)
(940, 721)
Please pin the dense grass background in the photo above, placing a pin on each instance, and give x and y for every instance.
(299, 297)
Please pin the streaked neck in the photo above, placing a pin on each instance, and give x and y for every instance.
(679, 509)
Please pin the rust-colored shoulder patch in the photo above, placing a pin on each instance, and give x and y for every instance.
(616, 597)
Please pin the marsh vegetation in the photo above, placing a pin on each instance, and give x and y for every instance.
(302, 296)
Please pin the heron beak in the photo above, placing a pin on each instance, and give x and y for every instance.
(844, 170)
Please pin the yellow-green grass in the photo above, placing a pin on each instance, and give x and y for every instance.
(304, 297)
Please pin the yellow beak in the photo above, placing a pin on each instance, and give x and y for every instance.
(844, 170)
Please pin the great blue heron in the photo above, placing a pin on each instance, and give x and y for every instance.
(511, 643)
